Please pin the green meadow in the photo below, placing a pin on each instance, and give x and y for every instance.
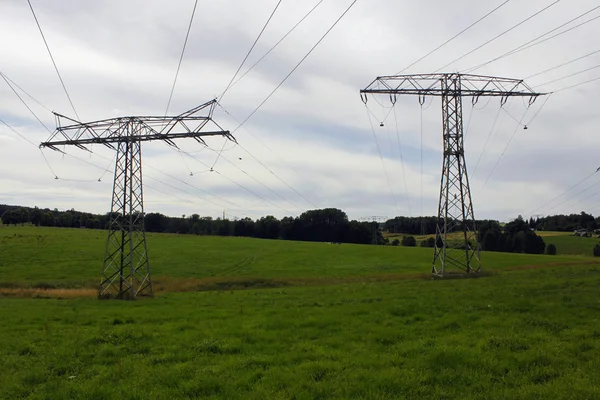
(238, 318)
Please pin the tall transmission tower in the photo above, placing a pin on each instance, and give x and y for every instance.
(376, 221)
(126, 269)
(457, 245)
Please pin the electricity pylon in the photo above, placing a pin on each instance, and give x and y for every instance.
(126, 269)
(376, 221)
(456, 244)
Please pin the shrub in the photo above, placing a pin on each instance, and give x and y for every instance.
(409, 241)
(597, 250)
(395, 242)
(429, 242)
(551, 250)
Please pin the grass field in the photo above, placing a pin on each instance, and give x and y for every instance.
(316, 321)
(565, 242)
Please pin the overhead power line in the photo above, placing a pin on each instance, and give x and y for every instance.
(563, 64)
(568, 76)
(387, 177)
(277, 44)
(565, 192)
(52, 58)
(536, 41)
(453, 37)
(402, 164)
(250, 176)
(499, 35)
(294, 69)
(573, 196)
(250, 51)
(263, 164)
(296, 66)
(19, 134)
(23, 101)
(181, 57)
(519, 124)
(24, 91)
(146, 186)
(230, 84)
(576, 85)
(486, 142)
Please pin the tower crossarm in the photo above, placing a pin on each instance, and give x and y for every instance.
(137, 129)
(433, 85)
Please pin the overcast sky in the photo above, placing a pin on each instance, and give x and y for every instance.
(313, 137)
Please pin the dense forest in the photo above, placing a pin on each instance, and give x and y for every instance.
(566, 223)
(325, 225)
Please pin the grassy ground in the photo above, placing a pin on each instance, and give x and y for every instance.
(565, 242)
(345, 321)
(72, 257)
(518, 335)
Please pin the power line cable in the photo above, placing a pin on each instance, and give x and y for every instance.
(276, 44)
(24, 91)
(230, 84)
(293, 69)
(258, 160)
(254, 193)
(402, 164)
(185, 191)
(387, 177)
(247, 174)
(53, 62)
(41, 151)
(18, 133)
(175, 187)
(181, 57)
(567, 76)
(183, 199)
(454, 37)
(573, 196)
(584, 199)
(539, 109)
(504, 151)
(278, 177)
(563, 64)
(250, 51)
(224, 176)
(499, 35)
(24, 103)
(159, 170)
(486, 142)
(510, 115)
(44, 125)
(297, 65)
(535, 42)
(576, 85)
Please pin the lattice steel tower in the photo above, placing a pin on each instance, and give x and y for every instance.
(126, 270)
(456, 245)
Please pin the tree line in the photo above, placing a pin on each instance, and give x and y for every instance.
(566, 223)
(516, 236)
(324, 225)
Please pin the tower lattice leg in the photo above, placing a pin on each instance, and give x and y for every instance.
(126, 271)
(456, 245)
